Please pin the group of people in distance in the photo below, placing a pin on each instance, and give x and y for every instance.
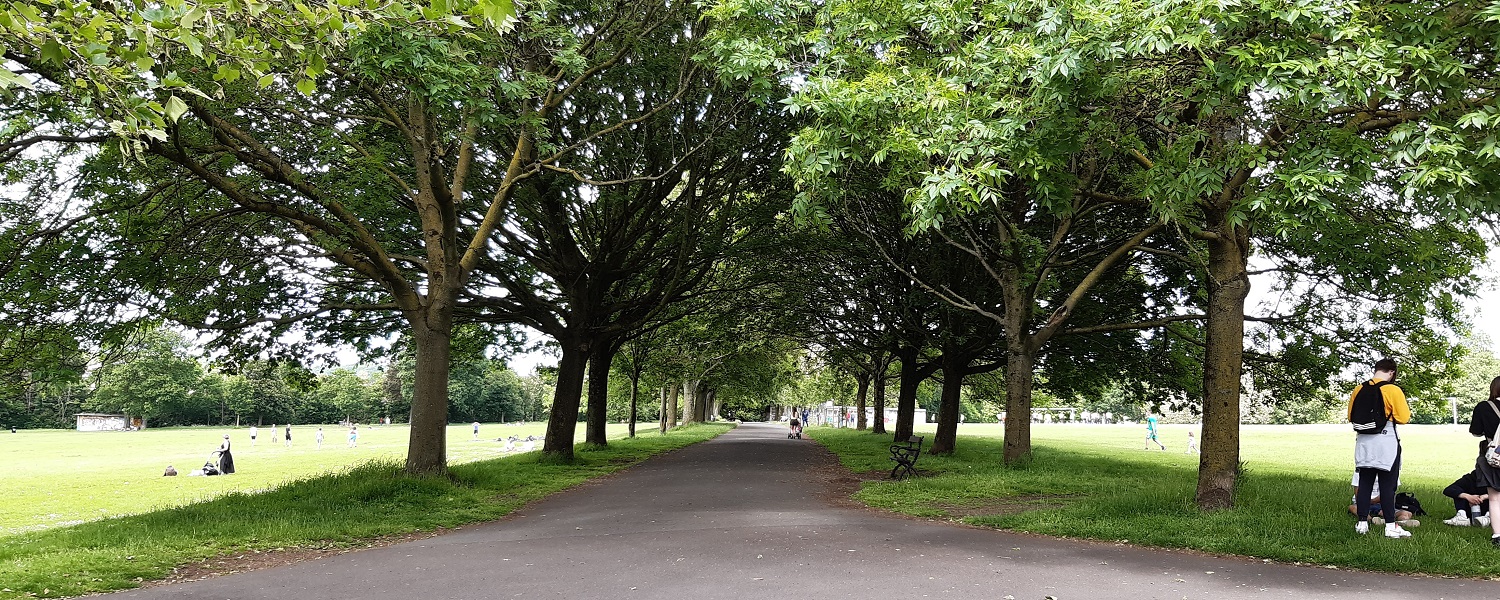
(1376, 406)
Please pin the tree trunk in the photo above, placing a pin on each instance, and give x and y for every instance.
(700, 402)
(878, 427)
(563, 421)
(863, 393)
(672, 402)
(711, 400)
(427, 449)
(1018, 382)
(598, 409)
(946, 440)
(635, 388)
(1224, 335)
(662, 412)
(906, 398)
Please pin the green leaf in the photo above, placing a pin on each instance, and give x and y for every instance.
(306, 86)
(9, 80)
(175, 108)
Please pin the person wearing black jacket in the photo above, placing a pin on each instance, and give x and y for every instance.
(1484, 423)
(1470, 500)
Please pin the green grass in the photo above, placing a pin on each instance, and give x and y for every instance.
(279, 499)
(61, 477)
(1096, 482)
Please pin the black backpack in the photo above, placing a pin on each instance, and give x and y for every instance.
(1409, 503)
(1368, 413)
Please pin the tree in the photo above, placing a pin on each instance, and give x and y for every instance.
(152, 382)
(1196, 115)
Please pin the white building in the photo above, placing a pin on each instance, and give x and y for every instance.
(102, 422)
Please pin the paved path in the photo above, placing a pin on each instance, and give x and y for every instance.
(739, 517)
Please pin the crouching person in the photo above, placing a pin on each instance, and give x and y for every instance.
(1470, 500)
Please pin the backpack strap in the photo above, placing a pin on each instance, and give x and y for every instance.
(1496, 435)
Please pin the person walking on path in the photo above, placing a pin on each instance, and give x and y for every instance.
(1484, 423)
(1375, 407)
(1151, 432)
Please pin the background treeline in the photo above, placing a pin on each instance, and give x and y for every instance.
(162, 378)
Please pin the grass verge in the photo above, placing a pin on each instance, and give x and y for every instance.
(1289, 509)
(372, 500)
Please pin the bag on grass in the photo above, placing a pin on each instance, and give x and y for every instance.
(1407, 502)
(1368, 413)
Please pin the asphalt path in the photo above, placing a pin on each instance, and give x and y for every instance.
(752, 514)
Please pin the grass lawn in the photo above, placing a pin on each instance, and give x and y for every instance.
(279, 498)
(55, 477)
(1096, 481)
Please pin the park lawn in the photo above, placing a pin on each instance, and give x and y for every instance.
(59, 477)
(331, 503)
(1096, 482)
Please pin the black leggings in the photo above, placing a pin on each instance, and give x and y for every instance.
(1367, 477)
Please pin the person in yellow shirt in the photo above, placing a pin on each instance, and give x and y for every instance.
(1377, 449)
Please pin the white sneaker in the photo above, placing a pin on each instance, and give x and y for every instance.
(1393, 530)
(1459, 520)
(1482, 520)
(1362, 527)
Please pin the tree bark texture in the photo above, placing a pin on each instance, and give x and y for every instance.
(427, 446)
(946, 440)
(690, 401)
(906, 398)
(672, 398)
(562, 422)
(878, 427)
(635, 388)
(1228, 286)
(1018, 384)
(860, 396)
(598, 409)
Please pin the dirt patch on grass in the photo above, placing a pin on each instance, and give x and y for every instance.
(1011, 505)
(255, 560)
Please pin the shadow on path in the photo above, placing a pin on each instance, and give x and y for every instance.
(750, 514)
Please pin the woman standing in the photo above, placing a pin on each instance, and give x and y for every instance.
(1483, 424)
(226, 460)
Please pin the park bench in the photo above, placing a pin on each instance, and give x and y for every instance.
(905, 454)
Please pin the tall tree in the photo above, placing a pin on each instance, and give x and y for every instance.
(1200, 113)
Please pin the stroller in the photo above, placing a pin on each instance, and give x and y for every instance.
(211, 467)
(796, 430)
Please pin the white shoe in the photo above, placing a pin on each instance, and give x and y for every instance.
(1362, 527)
(1482, 520)
(1459, 520)
(1393, 530)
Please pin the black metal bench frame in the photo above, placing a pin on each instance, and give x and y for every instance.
(906, 454)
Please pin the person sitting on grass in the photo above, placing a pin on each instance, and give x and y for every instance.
(1470, 499)
(1376, 511)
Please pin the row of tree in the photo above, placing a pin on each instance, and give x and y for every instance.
(1073, 196)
